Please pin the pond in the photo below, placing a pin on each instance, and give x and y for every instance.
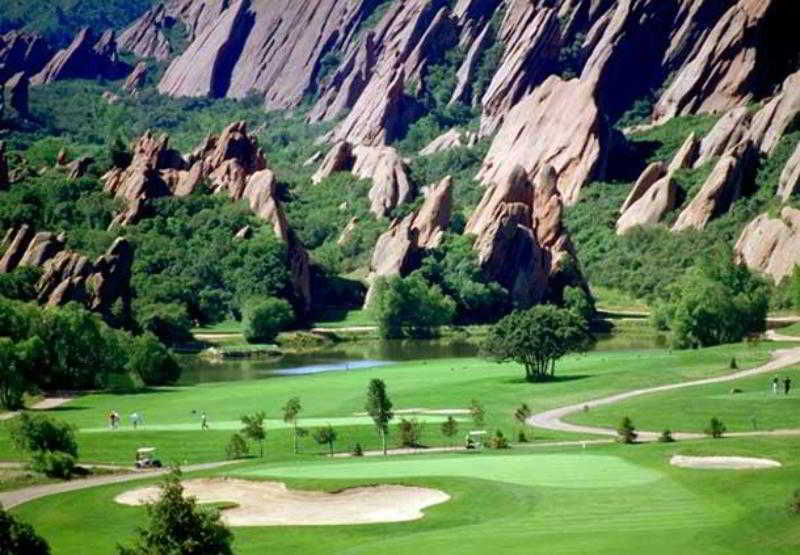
(362, 354)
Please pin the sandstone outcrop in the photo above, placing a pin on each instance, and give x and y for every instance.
(68, 276)
(22, 52)
(771, 245)
(777, 116)
(86, 58)
(788, 184)
(145, 37)
(520, 238)
(399, 250)
(728, 132)
(136, 79)
(650, 175)
(391, 186)
(558, 125)
(720, 190)
(720, 75)
(449, 140)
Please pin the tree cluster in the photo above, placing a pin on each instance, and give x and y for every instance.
(410, 307)
(50, 443)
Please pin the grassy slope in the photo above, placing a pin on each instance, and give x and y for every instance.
(555, 502)
(429, 384)
(691, 409)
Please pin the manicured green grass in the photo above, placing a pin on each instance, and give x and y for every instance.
(607, 499)
(345, 319)
(794, 329)
(228, 326)
(689, 410)
(440, 384)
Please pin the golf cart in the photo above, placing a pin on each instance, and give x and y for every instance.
(473, 439)
(145, 458)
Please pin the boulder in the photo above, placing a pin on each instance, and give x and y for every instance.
(87, 57)
(789, 182)
(770, 245)
(245, 233)
(78, 168)
(728, 132)
(136, 79)
(559, 125)
(720, 190)
(777, 117)
(650, 175)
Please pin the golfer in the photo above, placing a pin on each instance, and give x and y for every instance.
(787, 385)
(203, 421)
(775, 385)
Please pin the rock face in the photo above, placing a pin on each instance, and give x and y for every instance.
(86, 58)
(449, 140)
(788, 185)
(777, 116)
(67, 276)
(136, 78)
(558, 125)
(383, 165)
(146, 38)
(22, 52)
(771, 245)
(650, 175)
(521, 241)
(720, 190)
(399, 250)
(728, 132)
(17, 92)
(232, 164)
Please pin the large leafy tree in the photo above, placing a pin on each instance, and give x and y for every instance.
(379, 407)
(177, 526)
(152, 362)
(410, 307)
(265, 319)
(537, 338)
(19, 538)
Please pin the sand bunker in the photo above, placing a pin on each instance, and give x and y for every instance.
(272, 504)
(736, 463)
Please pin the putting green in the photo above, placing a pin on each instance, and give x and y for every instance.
(562, 471)
(272, 424)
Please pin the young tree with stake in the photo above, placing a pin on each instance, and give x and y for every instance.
(379, 407)
(254, 428)
(290, 411)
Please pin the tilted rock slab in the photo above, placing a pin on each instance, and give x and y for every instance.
(145, 37)
(87, 57)
(558, 125)
(789, 182)
(449, 140)
(22, 52)
(731, 129)
(136, 78)
(771, 245)
(720, 190)
(777, 116)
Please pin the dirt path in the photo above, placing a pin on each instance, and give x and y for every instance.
(11, 499)
(552, 419)
(773, 335)
(44, 404)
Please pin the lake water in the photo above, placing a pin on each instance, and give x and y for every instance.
(351, 356)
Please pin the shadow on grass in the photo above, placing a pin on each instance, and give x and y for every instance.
(144, 391)
(552, 379)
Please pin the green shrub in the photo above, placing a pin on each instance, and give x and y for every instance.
(265, 318)
(237, 448)
(626, 432)
(498, 441)
(410, 431)
(522, 438)
(666, 437)
(794, 502)
(716, 429)
(54, 464)
(152, 362)
(19, 538)
(358, 451)
(410, 307)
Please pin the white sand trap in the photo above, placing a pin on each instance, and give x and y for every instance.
(272, 504)
(717, 463)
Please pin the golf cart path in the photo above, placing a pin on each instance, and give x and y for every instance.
(44, 404)
(552, 419)
(9, 499)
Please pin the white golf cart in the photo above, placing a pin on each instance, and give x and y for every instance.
(474, 439)
(146, 458)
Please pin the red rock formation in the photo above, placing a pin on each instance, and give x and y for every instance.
(650, 175)
(771, 245)
(777, 116)
(558, 125)
(22, 52)
(520, 238)
(145, 37)
(136, 78)
(339, 159)
(86, 58)
(448, 140)
(728, 132)
(720, 190)
(789, 183)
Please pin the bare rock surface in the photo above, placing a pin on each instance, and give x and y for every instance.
(449, 140)
(777, 116)
(136, 78)
(21, 51)
(520, 238)
(729, 131)
(720, 190)
(87, 57)
(339, 159)
(771, 245)
(788, 184)
(650, 175)
(146, 36)
(557, 125)
(649, 209)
